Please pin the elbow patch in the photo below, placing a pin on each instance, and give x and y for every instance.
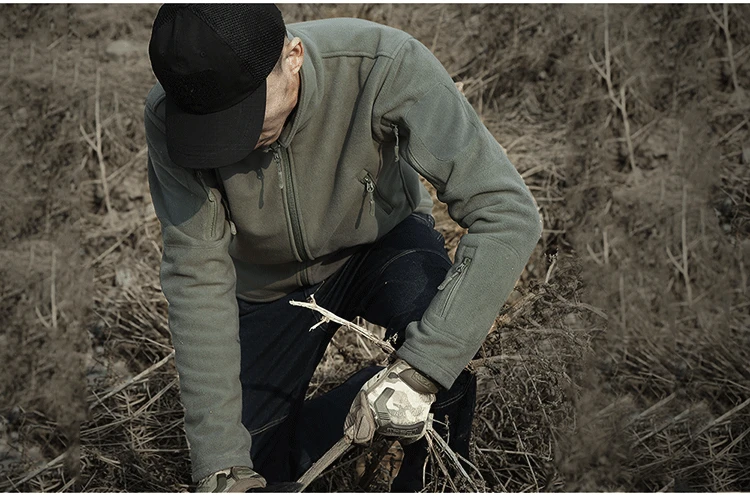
(441, 122)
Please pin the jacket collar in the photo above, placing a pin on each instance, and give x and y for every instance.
(311, 91)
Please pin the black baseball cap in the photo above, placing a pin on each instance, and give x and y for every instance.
(213, 60)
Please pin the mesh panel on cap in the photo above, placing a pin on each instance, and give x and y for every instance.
(251, 31)
(166, 13)
(199, 87)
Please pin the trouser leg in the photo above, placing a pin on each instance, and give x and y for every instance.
(390, 284)
(322, 419)
(279, 356)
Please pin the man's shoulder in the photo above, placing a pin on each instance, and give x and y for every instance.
(350, 37)
(155, 105)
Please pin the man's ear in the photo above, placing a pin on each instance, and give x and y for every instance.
(296, 55)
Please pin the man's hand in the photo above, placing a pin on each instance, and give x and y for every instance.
(238, 479)
(395, 402)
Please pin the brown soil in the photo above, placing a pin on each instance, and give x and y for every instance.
(620, 362)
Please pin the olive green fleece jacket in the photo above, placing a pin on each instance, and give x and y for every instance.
(376, 110)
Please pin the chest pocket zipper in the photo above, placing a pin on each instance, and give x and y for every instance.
(371, 191)
(452, 283)
(370, 188)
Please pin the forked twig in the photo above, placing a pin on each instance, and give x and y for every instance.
(96, 143)
(431, 435)
(330, 316)
(621, 102)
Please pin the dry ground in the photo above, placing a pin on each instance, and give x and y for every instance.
(621, 360)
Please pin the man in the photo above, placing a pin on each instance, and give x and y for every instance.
(285, 162)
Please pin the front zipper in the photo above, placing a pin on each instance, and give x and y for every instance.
(456, 277)
(261, 178)
(285, 180)
(277, 158)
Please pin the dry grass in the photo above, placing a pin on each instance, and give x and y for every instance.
(620, 362)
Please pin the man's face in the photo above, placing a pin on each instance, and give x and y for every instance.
(282, 92)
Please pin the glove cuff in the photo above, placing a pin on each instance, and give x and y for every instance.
(417, 380)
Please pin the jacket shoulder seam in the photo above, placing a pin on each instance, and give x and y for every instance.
(391, 54)
(355, 54)
(473, 124)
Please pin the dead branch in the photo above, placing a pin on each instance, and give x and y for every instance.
(683, 228)
(621, 102)
(445, 448)
(439, 461)
(36, 472)
(52, 294)
(112, 247)
(96, 143)
(720, 420)
(133, 380)
(724, 25)
(329, 316)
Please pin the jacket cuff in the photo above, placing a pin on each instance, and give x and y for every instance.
(424, 364)
(203, 469)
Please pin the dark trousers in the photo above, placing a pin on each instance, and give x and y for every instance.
(389, 283)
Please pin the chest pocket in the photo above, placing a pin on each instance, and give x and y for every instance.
(371, 193)
(386, 187)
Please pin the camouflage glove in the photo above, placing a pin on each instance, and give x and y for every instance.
(238, 479)
(395, 402)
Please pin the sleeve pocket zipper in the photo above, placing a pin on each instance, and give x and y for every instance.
(212, 200)
(215, 207)
(452, 282)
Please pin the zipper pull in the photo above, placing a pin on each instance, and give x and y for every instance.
(232, 228)
(459, 269)
(395, 150)
(259, 174)
(208, 190)
(370, 186)
(278, 167)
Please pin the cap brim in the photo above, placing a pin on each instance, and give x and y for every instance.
(216, 139)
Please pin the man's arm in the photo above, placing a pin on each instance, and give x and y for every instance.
(448, 145)
(198, 279)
